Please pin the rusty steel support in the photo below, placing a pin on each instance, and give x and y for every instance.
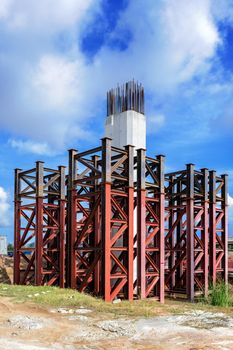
(117, 220)
(17, 204)
(39, 226)
(190, 233)
(130, 214)
(39, 223)
(218, 227)
(161, 227)
(62, 216)
(224, 224)
(186, 241)
(141, 227)
(106, 214)
(212, 195)
(181, 236)
(150, 230)
(71, 222)
(84, 221)
(205, 231)
(97, 230)
(101, 221)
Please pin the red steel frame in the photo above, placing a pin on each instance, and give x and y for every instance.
(218, 227)
(150, 226)
(180, 239)
(186, 241)
(117, 220)
(39, 226)
(101, 196)
(83, 226)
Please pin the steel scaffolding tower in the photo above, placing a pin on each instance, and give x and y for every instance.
(39, 238)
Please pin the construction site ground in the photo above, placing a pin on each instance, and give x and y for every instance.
(37, 318)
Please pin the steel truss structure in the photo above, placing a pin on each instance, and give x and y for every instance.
(39, 241)
(218, 249)
(131, 231)
(101, 197)
(196, 230)
(150, 225)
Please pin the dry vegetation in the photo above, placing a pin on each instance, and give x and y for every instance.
(56, 297)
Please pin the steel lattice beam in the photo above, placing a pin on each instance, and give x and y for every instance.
(186, 241)
(180, 238)
(218, 227)
(39, 226)
(150, 230)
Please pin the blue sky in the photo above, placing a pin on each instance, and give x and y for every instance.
(58, 59)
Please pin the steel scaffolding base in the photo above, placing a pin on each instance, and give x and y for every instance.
(117, 227)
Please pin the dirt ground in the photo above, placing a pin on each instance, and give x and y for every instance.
(31, 327)
(6, 269)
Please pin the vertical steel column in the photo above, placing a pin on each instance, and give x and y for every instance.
(106, 216)
(62, 203)
(224, 233)
(97, 235)
(39, 222)
(205, 230)
(161, 228)
(171, 220)
(141, 227)
(130, 170)
(212, 195)
(71, 223)
(190, 232)
(179, 232)
(17, 203)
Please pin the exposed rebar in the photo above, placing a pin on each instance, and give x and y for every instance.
(129, 96)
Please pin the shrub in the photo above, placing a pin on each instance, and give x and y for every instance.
(220, 295)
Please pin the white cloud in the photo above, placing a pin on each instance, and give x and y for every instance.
(4, 208)
(155, 123)
(58, 91)
(192, 35)
(46, 15)
(172, 41)
(4, 8)
(230, 200)
(31, 147)
(56, 81)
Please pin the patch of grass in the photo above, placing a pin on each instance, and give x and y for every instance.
(220, 295)
(56, 297)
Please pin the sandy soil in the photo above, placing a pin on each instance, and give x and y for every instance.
(6, 270)
(29, 327)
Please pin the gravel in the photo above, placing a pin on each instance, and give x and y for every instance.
(26, 322)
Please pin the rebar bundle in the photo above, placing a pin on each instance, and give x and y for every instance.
(129, 96)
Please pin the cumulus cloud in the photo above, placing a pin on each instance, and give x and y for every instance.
(45, 16)
(155, 123)
(160, 52)
(56, 81)
(58, 91)
(230, 201)
(31, 147)
(4, 208)
(4, 8)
